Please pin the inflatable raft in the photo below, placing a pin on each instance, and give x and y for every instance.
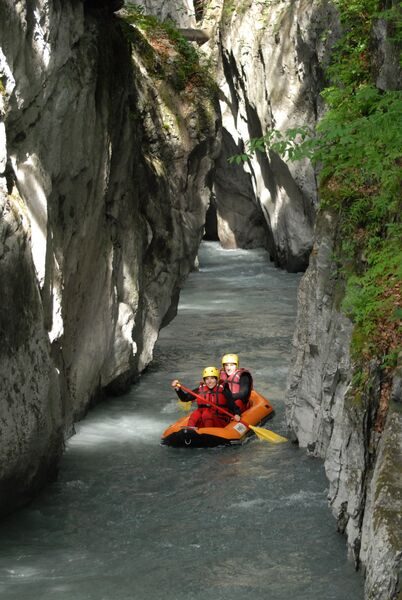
(179, 435)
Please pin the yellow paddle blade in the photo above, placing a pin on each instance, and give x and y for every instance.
(184, 405)
(267, 435)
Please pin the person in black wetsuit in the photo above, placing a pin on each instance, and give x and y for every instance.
(237, 383)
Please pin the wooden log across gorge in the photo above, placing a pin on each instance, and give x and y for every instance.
(195, 35)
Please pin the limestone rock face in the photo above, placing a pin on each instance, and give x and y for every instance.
(104, 197)
(31, 424)
(269, 59)
(381, 538)
(240, 220)
(386, 55)
(362, 466)
(181, 12)
(320, 374)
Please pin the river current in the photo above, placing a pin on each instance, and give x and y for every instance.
(129, 519)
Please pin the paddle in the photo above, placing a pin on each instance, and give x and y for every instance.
(263, 434)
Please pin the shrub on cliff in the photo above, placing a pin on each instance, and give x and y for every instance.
(357, 150)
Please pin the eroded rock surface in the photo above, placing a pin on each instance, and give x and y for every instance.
(269, 59)
(31, 420)
(181, 12)
(104, 197)
(362, 460)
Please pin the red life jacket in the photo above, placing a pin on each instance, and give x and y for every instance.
(234, 380)
(214, 396)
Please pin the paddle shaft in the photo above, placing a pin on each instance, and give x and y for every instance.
(218, 408)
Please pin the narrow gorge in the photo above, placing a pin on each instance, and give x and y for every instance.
(125, 133)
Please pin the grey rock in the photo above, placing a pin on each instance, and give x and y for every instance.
(269, 60)
(363, 465)
(386, 53)
(31, 422)
(181, 12)
(109, 172)
(381, 537)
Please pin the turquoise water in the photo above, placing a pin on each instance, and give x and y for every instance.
(129, 519)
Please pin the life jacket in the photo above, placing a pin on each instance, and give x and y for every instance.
(234, 381)
(214, 396)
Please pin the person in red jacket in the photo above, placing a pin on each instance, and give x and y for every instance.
(205, 415)
(237, 383)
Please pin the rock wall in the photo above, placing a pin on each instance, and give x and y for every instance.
(240, 220)
(31, 423)
(103, 195)
(269, 59)
(103, 199)
(180, 11)
(361, 463)
(381, 530)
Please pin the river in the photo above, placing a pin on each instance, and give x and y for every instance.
(129, 519)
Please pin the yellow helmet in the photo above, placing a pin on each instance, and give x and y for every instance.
(210, 372)
(230, 358)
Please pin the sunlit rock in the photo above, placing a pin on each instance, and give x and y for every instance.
(181, 12)
(269, 59)
(240, 220)
(31, 420)
(105, 169)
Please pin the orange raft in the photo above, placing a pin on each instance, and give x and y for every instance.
(235, 433)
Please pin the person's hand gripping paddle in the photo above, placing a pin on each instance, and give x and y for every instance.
(260, 432)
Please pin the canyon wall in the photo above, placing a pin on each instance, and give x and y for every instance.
(361, 448)
(181, 12)
(358, 433)
(269, 60)
(106, 171)
(103, 201)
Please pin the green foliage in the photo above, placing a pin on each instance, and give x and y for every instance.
(359, 140)
(369, 299)
(393, 17)
(178, 59)
(358, 144)
(357, 149)
(135, 15)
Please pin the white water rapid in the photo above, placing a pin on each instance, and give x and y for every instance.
(129, 519)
